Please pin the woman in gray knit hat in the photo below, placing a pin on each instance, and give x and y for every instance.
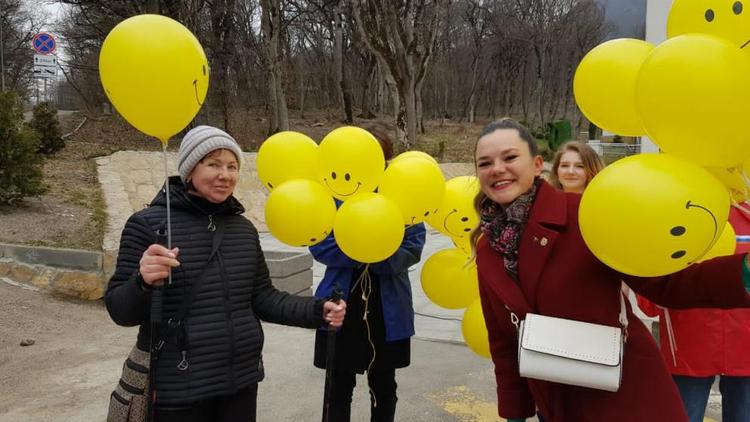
(206, 346)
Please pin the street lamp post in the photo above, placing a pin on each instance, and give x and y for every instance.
(2, 49)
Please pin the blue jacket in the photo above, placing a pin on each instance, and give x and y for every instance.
(392, 274)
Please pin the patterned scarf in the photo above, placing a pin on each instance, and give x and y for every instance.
(504, 226)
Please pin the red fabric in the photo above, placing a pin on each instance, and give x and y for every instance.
(559, 276)
(708, 341)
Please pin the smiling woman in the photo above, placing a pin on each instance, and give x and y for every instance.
(531, 258)
(214, 302)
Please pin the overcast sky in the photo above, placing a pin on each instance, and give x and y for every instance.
(627, 16)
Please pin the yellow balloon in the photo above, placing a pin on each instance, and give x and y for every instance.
(416, 185)
(474, 330)
(300, 212)
(464, 244)
(726, 244)
(652, 214)
(604, 85)
(369, 227)
(449, 279)
(413, 154)
(692, 95)
(716, 17)
(350, 161)
(155, 73)
(456, 216)
(732, 179)
(285, 156)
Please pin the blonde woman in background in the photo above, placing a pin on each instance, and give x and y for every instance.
(573, 167)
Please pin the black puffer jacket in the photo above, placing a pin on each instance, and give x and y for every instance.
(224, 334)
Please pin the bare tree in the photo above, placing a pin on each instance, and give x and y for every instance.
(402, 36)
(271, 24)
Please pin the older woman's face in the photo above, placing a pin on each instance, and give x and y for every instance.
(505, 167)
(215, 176)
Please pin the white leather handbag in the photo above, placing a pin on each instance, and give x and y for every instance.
(572, 352)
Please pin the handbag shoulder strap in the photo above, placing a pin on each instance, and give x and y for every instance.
(218, 235)
(623, 317)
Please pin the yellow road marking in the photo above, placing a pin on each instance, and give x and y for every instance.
(461, 402)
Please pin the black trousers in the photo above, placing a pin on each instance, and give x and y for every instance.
(240, 407)
(382, 395)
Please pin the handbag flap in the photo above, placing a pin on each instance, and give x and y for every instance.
(571, 339)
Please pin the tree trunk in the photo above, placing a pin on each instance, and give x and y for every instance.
(271, 26)
(367, 88)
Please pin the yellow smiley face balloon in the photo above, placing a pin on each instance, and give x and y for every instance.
(155, 73)
(727, 19)
(350, 161)
(285, 156)
(652, 214)
(456, 216)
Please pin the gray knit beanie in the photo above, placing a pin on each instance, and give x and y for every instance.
(199, 142)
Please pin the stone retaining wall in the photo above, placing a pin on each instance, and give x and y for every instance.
(83, 274)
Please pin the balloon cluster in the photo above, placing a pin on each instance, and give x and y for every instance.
(649, 214)
(348, 165)
(449, 277)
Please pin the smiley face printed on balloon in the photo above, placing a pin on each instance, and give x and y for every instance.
(456, 216)
(350, 161)
(200, 84)
(727, 19)
(652, 214)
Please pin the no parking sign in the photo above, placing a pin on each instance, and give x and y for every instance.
(44, 43)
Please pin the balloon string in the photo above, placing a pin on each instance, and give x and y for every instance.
(366, 280)
(745, 179)
(169, 211)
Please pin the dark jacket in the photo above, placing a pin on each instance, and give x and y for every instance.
(224, 334)
(560, 277)
(392, 274)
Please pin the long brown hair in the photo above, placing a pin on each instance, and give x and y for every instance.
(592, 163)
(525, 135)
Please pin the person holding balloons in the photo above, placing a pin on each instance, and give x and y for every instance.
(573, 167)
(531, 258)
(375, 336)
(209, 347)
(699, 344)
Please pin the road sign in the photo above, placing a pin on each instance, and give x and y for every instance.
(43, 43)
(45, 60)
(45, 66)
(45, 72)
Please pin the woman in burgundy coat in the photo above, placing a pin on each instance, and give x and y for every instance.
(531, 258)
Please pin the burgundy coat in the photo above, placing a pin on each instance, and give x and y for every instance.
(560, 277)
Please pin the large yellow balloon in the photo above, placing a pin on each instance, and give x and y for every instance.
(416, 185)
(726, 244)
(722, 18)
(692, 95)
(286, 156)
(414, 154)
(449, 279)
(652, 214)
(456, 216)
(604, 85)
(155, 73)
(369, 227)
(474, 330)
(350, 161)
(733, 179)
(300, 212)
